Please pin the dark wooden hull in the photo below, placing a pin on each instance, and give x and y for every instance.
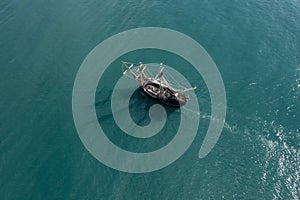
(172, 101)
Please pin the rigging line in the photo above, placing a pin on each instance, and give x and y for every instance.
(148, 71)
(166, 82)
(171, 83)
(176, 80)
(173, 79)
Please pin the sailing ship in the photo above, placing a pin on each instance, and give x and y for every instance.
(156, 87)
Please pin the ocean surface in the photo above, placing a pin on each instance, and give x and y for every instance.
(256, 46)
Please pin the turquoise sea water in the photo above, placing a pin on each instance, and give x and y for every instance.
(255, 45)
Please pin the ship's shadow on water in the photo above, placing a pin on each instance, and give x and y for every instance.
(139, 106)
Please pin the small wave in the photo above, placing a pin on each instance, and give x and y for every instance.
(282, 158)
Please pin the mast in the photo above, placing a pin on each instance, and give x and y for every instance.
(166, 90)
(139, 75)
(128, 68)
(159, 76)
(142, 76)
